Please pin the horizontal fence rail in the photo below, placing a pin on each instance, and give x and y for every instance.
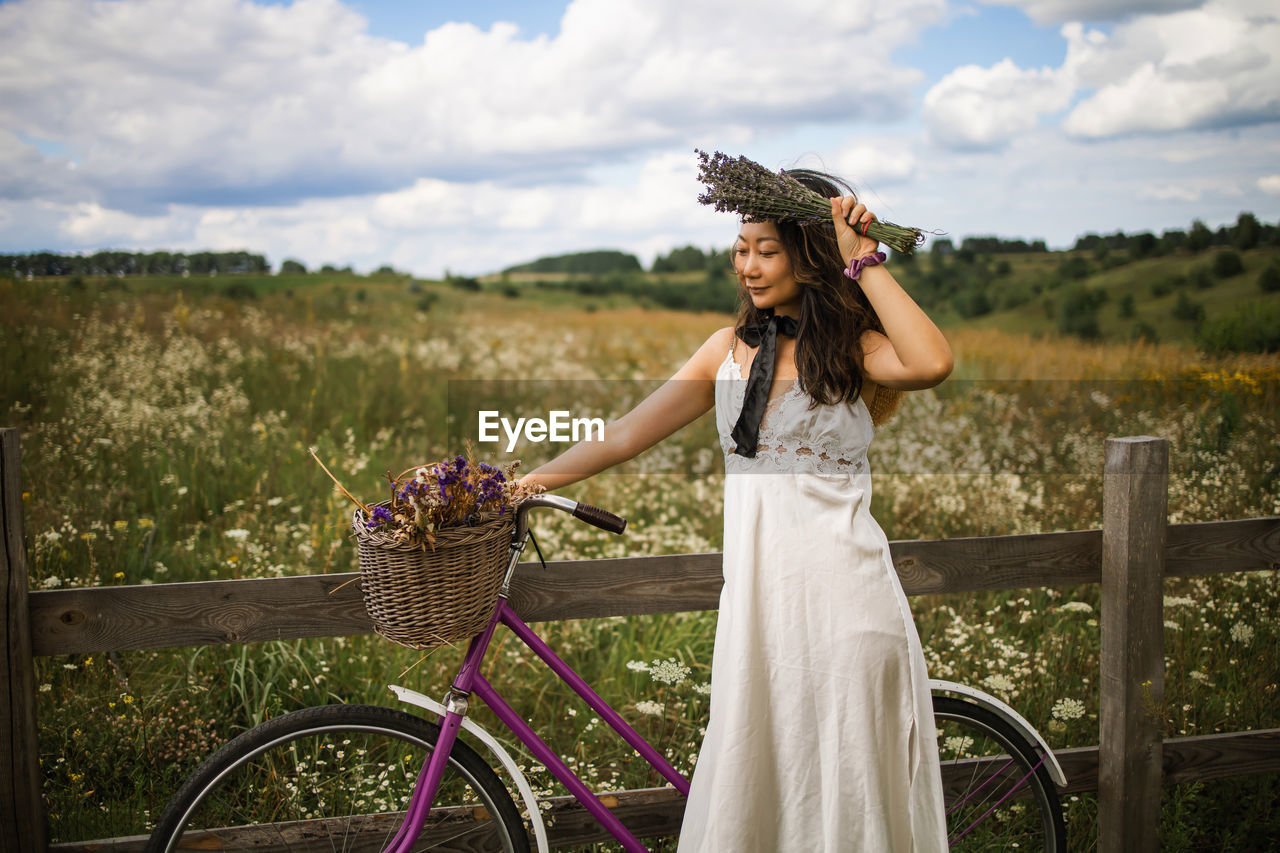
(93, 620)
(106, 619)
(658, 811)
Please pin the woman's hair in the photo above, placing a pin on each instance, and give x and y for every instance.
(834, 312)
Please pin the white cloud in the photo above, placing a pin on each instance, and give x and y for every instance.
(172, 101)
(1061, 11)
(1041, 185)
(1205, 68)
(1211, 67)
(288, 130)
(88, 223)
(468, 227)
(1044, 185)
(975, 107)
(877, 163)
(1170, 192)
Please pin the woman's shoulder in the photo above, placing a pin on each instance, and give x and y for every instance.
(718, 344)
(721, 337)
(706, 362)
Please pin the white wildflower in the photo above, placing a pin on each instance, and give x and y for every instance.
(1076, 607)
(637, 666)
(238, 533)
(1241, 633)
(276, 501)
(650, 709)
(51, 582)
(703, 689)
(1196, 675)
(1067, 709)
(1178, 601)
(669, 671)
(998, 682)
(957, 744)
(1170, 625)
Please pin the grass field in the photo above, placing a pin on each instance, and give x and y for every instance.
(1154, 284)
(165, 426)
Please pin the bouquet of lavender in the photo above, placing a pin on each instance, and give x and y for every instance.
(742, 186)
(457, 492)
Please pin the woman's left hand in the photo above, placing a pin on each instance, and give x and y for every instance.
(851, 217)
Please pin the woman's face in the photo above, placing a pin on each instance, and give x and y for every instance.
(764, 269)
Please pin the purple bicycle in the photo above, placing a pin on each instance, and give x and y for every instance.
(370, 778)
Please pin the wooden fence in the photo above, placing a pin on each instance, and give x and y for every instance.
(1130, 556)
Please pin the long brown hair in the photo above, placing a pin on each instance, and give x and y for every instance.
(834, 312)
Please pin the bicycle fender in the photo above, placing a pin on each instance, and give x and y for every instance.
(1010, 716)
(413, 697)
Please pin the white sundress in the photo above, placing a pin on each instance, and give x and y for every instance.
(821, 735)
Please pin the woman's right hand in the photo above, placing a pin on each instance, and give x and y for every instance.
(850, 218)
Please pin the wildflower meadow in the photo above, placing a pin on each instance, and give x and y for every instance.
(166, 428)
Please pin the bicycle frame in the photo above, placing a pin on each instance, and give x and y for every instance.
(469, 680)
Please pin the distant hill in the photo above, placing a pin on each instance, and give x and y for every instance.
(590, 263)
(1219, 299)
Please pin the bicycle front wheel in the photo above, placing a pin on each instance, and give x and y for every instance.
(999, 795)
(336, 778)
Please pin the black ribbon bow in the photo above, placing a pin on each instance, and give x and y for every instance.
(746, 432)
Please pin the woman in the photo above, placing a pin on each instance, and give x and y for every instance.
(821, 734)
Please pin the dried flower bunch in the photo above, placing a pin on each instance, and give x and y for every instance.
(457, 492)
(742, 186)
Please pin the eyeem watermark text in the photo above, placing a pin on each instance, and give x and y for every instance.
(559, 426)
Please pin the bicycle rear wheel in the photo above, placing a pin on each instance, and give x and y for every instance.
(335, 778)
(998, 792)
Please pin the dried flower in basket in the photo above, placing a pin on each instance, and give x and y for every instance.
(457, 492)
(742, 186)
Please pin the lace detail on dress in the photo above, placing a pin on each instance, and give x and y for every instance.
(778, 452)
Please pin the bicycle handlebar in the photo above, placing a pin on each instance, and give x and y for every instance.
(592, 515)
(601, 518)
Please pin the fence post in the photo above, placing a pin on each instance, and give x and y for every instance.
(1130, 753)
(21, 807)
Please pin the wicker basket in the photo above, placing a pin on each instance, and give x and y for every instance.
(424, 598)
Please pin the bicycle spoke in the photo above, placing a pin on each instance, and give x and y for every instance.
(336, 778)
(997, 794)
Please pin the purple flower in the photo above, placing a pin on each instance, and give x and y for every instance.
(490, 487)
(380, 515)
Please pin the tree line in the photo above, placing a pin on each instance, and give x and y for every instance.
(607, 262)
(116, 263)
(1247, 233)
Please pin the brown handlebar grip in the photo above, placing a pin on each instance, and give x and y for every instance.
(601, 518)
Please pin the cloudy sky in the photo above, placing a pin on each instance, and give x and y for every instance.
(472, 135)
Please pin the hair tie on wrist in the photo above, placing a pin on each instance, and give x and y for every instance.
(857, 265)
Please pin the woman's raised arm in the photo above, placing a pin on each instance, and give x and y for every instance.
(912, 353)
(680, 401)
